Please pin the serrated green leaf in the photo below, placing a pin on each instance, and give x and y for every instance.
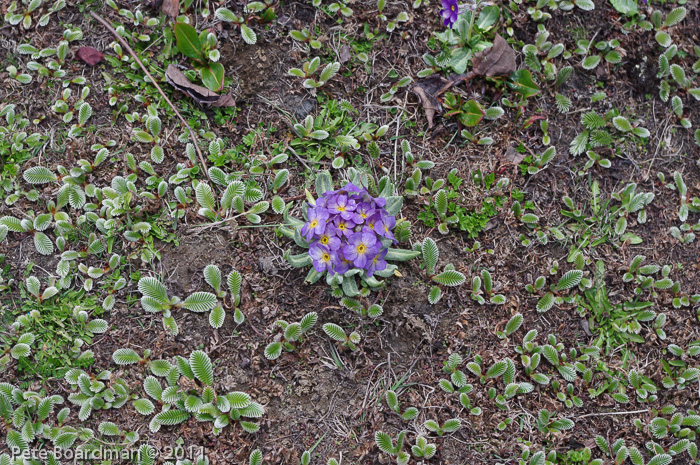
(171, 417)
(545, 303)
(200, 302)
(248, 35)
(570, 279)
(450, 278)
(514, 324)
(201, 366)
(38, 175)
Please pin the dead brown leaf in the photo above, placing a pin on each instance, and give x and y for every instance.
(498, 60)
(170, 8)
(178, 80)
(345, 54)
(90, 55)
(513, 156)
(428, 90)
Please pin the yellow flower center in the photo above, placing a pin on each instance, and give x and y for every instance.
(452, 8)
(326, 257)
(324, 240)
(361, 249)
(341, 226)
(314, 223)
(341, 208)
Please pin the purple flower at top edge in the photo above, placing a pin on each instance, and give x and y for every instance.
(321, 257)
(377, 263)
(350, 187)
(449, 12)
(344, 227)
(317, 223)
(361, 248)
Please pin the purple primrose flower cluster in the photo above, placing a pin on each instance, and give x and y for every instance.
(344, 231)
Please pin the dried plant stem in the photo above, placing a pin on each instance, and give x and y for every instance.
(124, 43)
(602, 414)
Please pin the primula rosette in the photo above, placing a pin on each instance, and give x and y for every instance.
(345, 230)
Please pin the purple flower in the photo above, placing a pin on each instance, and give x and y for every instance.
(321, 257)
(379, 202)
(350, 187)
(344, 227)
(387, 224)
(362, 212)
(373, 224)
(361, 248)
(341, 205)
(340, 264)
(328, 239)
(449, 12)
(377, 263)
(318, 217)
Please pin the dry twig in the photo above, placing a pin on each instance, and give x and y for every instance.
(124, 43)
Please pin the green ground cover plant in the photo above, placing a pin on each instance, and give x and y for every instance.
(349, 232)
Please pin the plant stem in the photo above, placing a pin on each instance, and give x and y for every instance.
(472, 15)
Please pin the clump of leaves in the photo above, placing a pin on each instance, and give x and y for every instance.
(155, 299)
(448, 277)
(447, 207)
(26, 416)
(449, 426)
(393, 449)
(423, 449)
(556, 294)
(309, 68)
(458, 383)
(247, 34)
(96, 392)
(202, 50)
(609, 51)
(292, 333)
(190, 392)
(487, 283)
(604, 133)
(392, 401)
(337, 333)
(30, 10)
(49, 334)
(548, 422)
